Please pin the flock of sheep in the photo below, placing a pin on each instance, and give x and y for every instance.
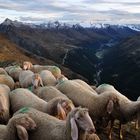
(39, 103)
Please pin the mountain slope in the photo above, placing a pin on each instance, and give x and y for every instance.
(73, 46)
(10, 53)
(121, 67)
(95, 53)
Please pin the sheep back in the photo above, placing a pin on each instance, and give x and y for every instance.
(23, 97)
(47, 78)
(49, 92)
(25, 78)
(7, 80)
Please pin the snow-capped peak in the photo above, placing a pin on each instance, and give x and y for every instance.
(99, 25)
(10, 22)
(135, 27)
(61, 25)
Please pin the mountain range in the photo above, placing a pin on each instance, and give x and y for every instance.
(100, 53)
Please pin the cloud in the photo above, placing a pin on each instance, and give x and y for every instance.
(126, 11)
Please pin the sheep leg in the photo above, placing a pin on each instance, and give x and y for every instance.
(138, 121)
(120, 131)
(137, 125)
(111, 129)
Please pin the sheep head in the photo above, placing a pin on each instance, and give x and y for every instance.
(61, 79)
(36, 80)
(80, 119)
(22, 124)
(64, 106)
(27, 65)
(56, 72)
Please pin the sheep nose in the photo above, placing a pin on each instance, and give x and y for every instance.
(34, 127)
(92, 130)
(2, 111)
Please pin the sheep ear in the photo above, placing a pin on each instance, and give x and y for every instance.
(22, 132)
(29, 65)
(1, 104)
(61, 112)
(110, 106)
(74, 129)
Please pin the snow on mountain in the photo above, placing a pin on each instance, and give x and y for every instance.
(60, 25)
(135, 27)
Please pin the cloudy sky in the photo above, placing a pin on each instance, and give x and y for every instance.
(72, 11)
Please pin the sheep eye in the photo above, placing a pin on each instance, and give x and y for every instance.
(84, 112)
(78, 118)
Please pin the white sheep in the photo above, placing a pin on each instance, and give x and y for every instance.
(74, 128)
(138, 117)
(2, 131)
(62, 78)
(25, 78)
(18, 127)
(4, 103)
(48, 92)
(3, 71)
(7, 80)
(92, 137)
(84, 84)
(48, 78)
(29, 79)
(104, 87)
(14, 72)
(23, 97)
(38, 68)
(98, 105)
(126, 109)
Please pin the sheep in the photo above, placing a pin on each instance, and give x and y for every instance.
(92, 137)
(138, 117)
(38, 68)
(104, 87)
(25, 78)
(18, 126)
(85, 85)
(2, 131)
(4, 104)
(8, 68)
(7, 80)
(98, 105)
(126, 109)
(14, 72)
(78, 122)
(48, 92)
(59, 107)
(47, 78)
(28, 79)
(3, 71)
(62, 78)
(23, 97)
